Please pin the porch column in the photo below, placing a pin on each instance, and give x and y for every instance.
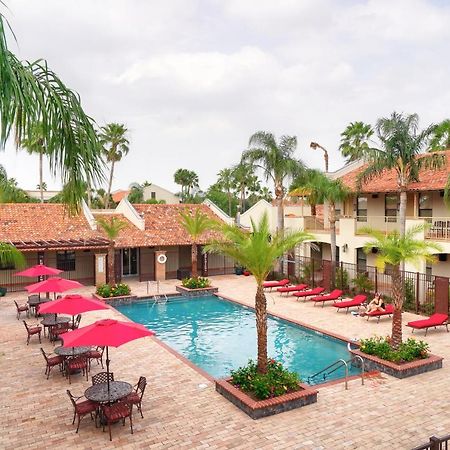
(100, 269)
(160, 265)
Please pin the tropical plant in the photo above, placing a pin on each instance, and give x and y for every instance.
(10, 256)
(341, 279)
(355, 140)
(245, 182)
(113, 290)
(276, 159)
(304, 185)
(395, 249)
(112, 228)
(440, 137)
(196, 282)
(42, 187)
(32, 94)
(113, 138)
(136, 194)
(226, 182)
(257, 252)
(195, 224)
(362, 283)
(400, 148)
(10, 192)
(188, 180)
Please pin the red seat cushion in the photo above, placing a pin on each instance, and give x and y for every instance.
(23, 308)
(434, 320)
(117, 411)
(388, 310)
(134, 397)
(77, 364)
(54, 360)
(86, 407)
(94, 354)
(34, 330)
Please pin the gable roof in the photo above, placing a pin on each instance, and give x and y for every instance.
(429, 179)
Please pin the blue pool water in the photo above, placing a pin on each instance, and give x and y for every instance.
(218, 335)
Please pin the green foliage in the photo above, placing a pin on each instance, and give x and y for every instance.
(409, 292)
(10, 256)
(342, 279)
(188, 180)
(136, 194)
(440, 137)
(362, 283)
(277, 381)
(116, 290)
(196, 282)
(153, 201)
(409, 350)
(195, 223)
(112, 227)
(306, 273)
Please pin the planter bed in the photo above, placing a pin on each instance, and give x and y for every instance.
(403, 370)
(116, 300)
(262, 408)
(186, 292)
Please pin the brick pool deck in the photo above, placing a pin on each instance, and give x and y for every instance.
(183, 411)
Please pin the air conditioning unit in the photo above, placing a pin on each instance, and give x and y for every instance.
(442, 257)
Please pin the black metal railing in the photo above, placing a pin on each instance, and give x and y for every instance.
(435, 443)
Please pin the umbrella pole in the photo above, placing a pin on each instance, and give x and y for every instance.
(107, 369)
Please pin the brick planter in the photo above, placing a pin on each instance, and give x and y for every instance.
(116, 300)
(186, 292)
(262, 408)
(404, 370)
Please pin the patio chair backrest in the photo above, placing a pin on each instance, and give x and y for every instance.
(142, 383)
(26, 325)
(102, 377)
(72, 398)
(45, 354)
(77, 321)
(17, 306)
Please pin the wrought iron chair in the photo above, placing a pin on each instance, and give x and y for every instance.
(81, 409)
(135, 398)
(33, 308)
(58, 329)
(96, 354)
(22, 308)
(115, 412)
(76, 323)
(76, 363)
(102, 377)
(52, 361)
(32, 331)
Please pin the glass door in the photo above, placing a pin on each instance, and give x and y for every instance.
(129, 261)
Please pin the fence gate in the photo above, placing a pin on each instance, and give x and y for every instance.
(441, 295)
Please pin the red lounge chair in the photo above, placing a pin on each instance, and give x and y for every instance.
(275, 284)
(287, 289)
(435, 320)
(310, 293)
(333, 295)
(358, 300)
(387, 312)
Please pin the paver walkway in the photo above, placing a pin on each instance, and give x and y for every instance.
(181, 413)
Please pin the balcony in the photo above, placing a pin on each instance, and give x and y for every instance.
(380, 223)
(439, 228)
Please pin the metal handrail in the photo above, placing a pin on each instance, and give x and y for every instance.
(339, 363)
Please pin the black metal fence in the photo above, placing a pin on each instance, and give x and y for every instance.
(436, 443)
(421, 291)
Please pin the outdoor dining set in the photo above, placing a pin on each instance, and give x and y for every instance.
(107, 400)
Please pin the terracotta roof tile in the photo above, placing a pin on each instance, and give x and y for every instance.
(429, 179)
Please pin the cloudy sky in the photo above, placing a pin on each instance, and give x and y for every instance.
(193, 79)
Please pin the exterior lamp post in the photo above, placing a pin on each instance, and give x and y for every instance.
(315, 145)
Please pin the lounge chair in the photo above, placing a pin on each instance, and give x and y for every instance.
(275, 284)
(357, 300)
(288, 289)
(388, 311)
(309, 293)
(332, 296)
(434, 320)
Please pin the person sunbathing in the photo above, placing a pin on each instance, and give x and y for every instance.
(377, 304)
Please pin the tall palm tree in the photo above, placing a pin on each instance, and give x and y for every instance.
(32, 94)
(395, 249)
(113, 137)
(257, 251)
(355, 140)
(112, 228)
(277, 161)
(191, 182)
(226, 182)
(400, 148)
(10, 256)
(188, 180)
(244, 181)
(305, 185)
(195, 224)
(440, 137)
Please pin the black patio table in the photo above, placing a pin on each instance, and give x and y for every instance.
(99, 392)
(71, 351)
(34, 301)
(51, 320)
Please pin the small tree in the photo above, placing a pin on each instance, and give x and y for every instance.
(395, 249)
(10, 256)
(195, 224)
(257, 251)
(112, 228)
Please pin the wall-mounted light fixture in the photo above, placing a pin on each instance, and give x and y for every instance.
(345, 248)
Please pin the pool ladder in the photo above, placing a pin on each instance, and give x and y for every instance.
(338, 364)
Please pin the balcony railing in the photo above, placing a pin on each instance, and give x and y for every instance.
(312, 223)
(439, 228)
(380, 223)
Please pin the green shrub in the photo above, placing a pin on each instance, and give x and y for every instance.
(195, 283)
(409, 290)
(362, 283)
(341, 278)
(117, 290)
(407, 351)
(277, 381)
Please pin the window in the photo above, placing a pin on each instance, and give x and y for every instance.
(429, 272)
(425, 205)
(65, 260)
(361, 260)
(361, 209)
(391, 207)
(153, 195)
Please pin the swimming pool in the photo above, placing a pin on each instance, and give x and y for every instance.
(218, 335)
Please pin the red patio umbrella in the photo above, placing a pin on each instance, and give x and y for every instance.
(107, 333)
(53, 285)
(38, 270)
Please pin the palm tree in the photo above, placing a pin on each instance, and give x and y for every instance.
(257, 251)
(305, 185)
(225, 181)
(400, 149)
(440, 137)
(277, 162)
(32, 94)
(191, 181)
(243, 179)
(136, 194)
(10, 256)
(355, 140)
(188, 180)
(395, 249)
(195, 224)
(112, 228)
(115, 146)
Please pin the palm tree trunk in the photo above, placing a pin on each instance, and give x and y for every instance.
(108, 194)
(313, 209)
(332, 220)
(194, 260)
(41, 175)
(111, 264)
(397, 296)
(229, 203)
(261, 328)
(402, 212)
